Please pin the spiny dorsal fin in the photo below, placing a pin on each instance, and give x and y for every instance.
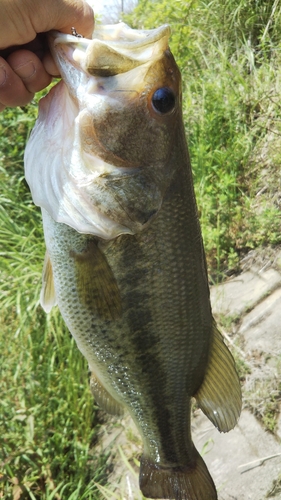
(219, 396)
(48, 294)
(103, 398)
(96, 283)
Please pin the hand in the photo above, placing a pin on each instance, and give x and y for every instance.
(26, 65)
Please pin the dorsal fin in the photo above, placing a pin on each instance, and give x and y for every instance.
(219, 396)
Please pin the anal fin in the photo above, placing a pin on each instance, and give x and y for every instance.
(103, 398)
(192, 482)
(219, 396)
(48, 294)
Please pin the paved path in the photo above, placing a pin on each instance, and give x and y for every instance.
(246, 462)
(239, 461)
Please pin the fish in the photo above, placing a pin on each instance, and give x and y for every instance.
(108, 164)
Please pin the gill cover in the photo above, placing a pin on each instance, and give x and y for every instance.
(99, 157)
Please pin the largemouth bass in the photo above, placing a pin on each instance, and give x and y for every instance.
(108, 163)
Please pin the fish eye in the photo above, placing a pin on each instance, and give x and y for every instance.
(164, 100)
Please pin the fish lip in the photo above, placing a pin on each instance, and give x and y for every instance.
(135, 46)
(135, 39)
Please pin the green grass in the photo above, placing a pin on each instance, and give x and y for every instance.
(48, 420)
(229, 53)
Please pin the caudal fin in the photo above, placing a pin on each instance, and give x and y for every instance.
(192, 482)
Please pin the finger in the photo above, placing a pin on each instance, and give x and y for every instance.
(30, 69)
(38, 46)
(63, 15)
(12, 89)
(50, 65)
(22, 24)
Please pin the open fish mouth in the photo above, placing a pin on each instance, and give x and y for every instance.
(114, 49)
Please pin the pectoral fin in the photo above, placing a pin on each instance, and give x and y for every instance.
(96, 284)
(48, 294)
(219, 396)
(103, 398)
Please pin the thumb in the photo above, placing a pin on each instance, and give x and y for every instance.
(62, 15)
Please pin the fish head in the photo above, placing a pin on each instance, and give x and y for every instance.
(123, 91)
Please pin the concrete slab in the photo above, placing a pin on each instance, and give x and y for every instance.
(225, 455)
(240, 294)
(261, 328)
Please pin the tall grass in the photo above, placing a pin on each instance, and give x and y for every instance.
(229, 56)
(47, 417)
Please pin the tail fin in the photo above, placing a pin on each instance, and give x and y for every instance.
(192, 482)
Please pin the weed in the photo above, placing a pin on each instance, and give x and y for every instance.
(228, 53)
(47, 419)
(276, 488)
(262, 396)
(242, 367)
(129, 488)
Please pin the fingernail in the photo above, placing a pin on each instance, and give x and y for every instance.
(25, 70)
(3, 76)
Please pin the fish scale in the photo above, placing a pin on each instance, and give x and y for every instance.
(125, 260)
(148, 338)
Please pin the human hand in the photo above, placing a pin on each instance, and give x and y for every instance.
(26, 65)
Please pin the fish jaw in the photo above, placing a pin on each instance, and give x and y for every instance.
(114, 49)
(98, 157)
